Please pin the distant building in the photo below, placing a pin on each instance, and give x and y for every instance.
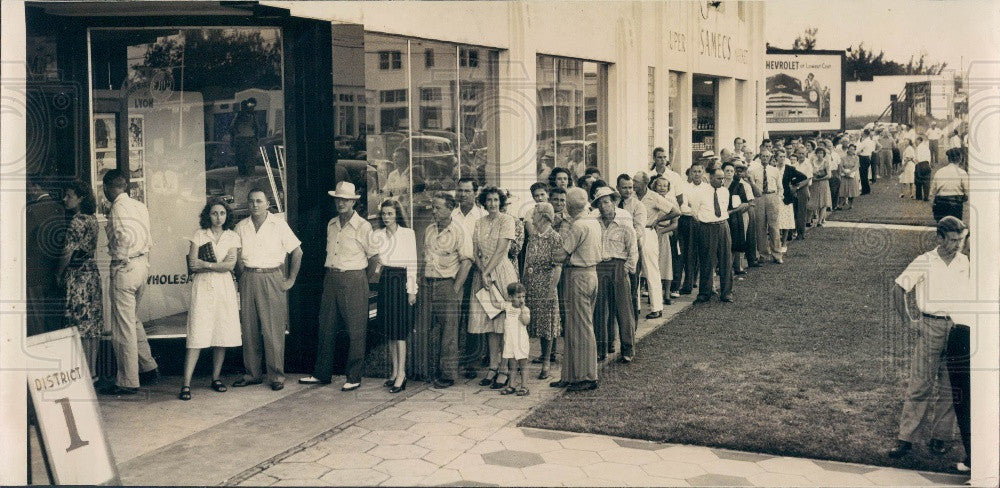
(871, 98)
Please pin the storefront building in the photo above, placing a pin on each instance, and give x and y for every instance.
(199, 100)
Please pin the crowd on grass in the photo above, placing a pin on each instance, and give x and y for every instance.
(570, 267)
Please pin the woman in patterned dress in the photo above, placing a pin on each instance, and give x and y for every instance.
(492, 239)
(542, 270)
(77, 269)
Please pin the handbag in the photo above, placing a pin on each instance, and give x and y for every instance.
(206, 252)
(491, 299)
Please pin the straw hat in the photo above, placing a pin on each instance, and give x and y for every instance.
(345, 190)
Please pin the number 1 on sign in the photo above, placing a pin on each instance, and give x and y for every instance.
(75, 442)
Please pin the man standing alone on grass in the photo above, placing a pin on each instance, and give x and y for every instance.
(950, 187)
(934, 138)
(583, 246)
(934, 277)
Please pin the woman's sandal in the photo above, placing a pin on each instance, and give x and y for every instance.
(487, 381)
(522, 391)
(185, 393)
(509, 390)
(219, 386)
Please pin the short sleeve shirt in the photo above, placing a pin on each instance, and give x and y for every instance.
(348, 247)
(445, 249)
(939, 286)
(268, 246)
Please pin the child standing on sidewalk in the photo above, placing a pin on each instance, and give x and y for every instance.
(516, 345)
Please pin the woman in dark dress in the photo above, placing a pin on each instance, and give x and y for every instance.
(794, 183)
(78, 271)
(397, 286)
(737, 221)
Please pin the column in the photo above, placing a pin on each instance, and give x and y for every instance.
(13, 393)
(518, 107)
(683, 124)
(726, 114)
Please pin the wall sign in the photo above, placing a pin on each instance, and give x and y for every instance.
(804, 91)
(68, 414)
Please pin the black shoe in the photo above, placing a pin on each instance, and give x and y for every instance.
(685, 291)
(654, 315)
(497, 384)
(901, 449)
(938, 447)
(118, 390)
(727, 299)
(397, 389)
(755, 264)
(245, 382)
(487, 380)
(185, 393)
(149, 377)
(701, 299)
(443, 383)
(667, 300)
(552, 357)
(583, 386)
(538, 360)
(601, 357)
(277, 385)
(559, 384)
(390, 382)
(219, 386)
(611, 349)
(471, 374)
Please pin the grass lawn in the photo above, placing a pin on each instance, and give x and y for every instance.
(884, 206)
(810, 361)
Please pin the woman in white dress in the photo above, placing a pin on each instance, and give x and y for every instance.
(214, 316)
(786, 212)
(909, 166)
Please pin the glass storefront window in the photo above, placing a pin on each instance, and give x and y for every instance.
(572, 101)
(704, 99)
(191, 114)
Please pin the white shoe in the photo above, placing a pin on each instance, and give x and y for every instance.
(350, 386)
(310, 380)
(784, 249)
(675, 294)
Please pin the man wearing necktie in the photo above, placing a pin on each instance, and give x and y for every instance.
(713, 240)
(764, 177)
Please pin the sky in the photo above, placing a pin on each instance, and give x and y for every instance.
(955, 31)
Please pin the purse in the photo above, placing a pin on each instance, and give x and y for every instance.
(206, 252)
(491, 299)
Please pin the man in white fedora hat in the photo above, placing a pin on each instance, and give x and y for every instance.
(619, 258)
(350, 250)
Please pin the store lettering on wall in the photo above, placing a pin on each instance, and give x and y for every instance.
(676, 41)
(142, 103)
(718, 45)
(165, 279)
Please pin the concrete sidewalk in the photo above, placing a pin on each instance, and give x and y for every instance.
(463, 435)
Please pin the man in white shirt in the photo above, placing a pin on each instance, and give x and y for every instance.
(709, 206)
(658, 210)
(866, 148)
(466, 215)
(950, 187)
(766, 181)
(129, 243)
(350, 251)
(934, 137)
(922, 171)
(686, 230)
(936, 278)
(267, 241)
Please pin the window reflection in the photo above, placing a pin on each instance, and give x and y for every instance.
(571, 101)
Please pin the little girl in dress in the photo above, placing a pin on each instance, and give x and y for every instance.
(516, 345)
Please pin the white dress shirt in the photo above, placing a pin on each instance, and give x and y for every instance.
(128, 229)
(268, 246)
(934, 134)
(939, 286)
(399, 250)
(349, 247)
(950, 181)
(468, 222)
(924, 152)
(703, 206)
(866, 147)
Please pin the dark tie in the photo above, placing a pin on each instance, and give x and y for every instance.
(715, 199)
(765, 178)
(621, 203)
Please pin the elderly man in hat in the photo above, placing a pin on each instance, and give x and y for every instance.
(583, 245)
(351, 250)
(618, 260)
(267, 242)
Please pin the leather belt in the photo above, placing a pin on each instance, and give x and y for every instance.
(579, 267)
(262, 270)
(939, 317)
(435, 278)
(340, 270)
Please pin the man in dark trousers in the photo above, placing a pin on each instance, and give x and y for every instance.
(950, 187)
(45, 220)
(709, 207)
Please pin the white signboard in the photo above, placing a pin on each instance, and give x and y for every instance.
(67, 410)
(804, 92)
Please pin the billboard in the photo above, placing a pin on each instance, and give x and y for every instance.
(804, 92)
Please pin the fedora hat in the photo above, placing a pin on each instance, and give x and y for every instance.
(601, 193)
(345, 190)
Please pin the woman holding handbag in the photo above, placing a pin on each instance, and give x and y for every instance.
(491, 242)
(214, 315)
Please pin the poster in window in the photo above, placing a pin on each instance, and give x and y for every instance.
(103, 156)
(135, 134)
(135, 163)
